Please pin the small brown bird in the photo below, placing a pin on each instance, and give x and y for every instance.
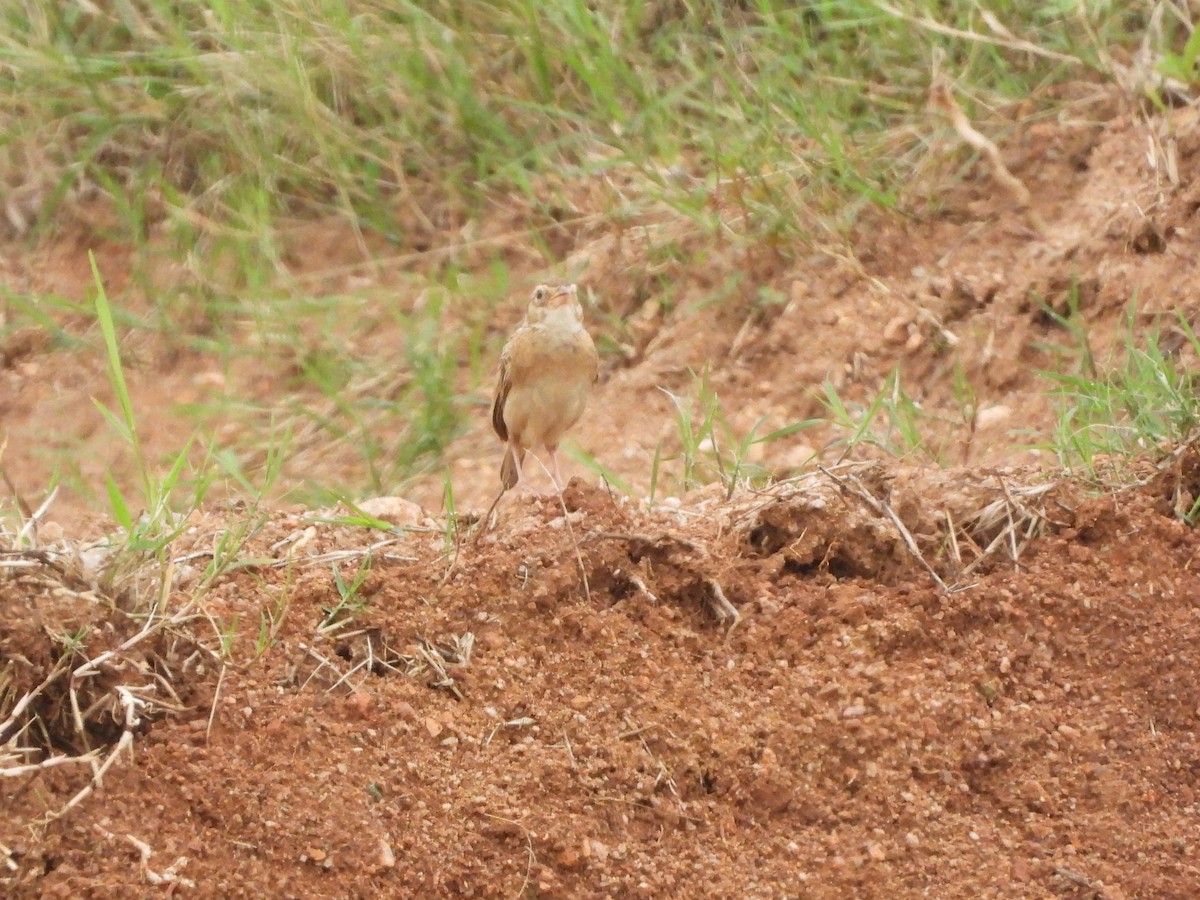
(547, 370)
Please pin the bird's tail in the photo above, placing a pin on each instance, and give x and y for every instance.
(510, 467)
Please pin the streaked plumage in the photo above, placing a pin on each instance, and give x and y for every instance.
(547, 371)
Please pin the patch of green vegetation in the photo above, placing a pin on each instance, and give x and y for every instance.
(208, 131)
(1181, 49)
(894, 422)
(150, 532)
(350, 600)
(220, 121)
(153, 518)
(1141, 402)
(711, 448)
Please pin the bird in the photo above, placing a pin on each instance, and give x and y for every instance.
(547, 371)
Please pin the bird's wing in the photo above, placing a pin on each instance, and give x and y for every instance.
(515, 363)
(503, 386)
(588, 347)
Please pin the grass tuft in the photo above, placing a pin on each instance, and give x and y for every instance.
(1143, 402)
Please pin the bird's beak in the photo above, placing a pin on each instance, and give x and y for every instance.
(567, 291)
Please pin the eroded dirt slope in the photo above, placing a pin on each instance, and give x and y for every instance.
(859, 731)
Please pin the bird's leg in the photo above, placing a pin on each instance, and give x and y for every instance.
(510, 467)
(522, 481)
(555, 471)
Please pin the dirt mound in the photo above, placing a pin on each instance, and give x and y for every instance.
(559, 709)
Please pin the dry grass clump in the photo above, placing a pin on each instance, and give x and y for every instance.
(86, 668)
(875, 521)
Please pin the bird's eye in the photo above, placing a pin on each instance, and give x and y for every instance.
(539, 294)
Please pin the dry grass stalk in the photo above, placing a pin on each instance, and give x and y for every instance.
(852, 484)
(716, 600)
(1018, 522)
(941, 97)
(131, 705)
(720, 605)
(168, 876)
(10, 727)
(51, 763)
(1004, 37)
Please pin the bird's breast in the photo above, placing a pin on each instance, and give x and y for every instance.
(551, 394)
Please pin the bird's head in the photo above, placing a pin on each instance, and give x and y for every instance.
(549, 298)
